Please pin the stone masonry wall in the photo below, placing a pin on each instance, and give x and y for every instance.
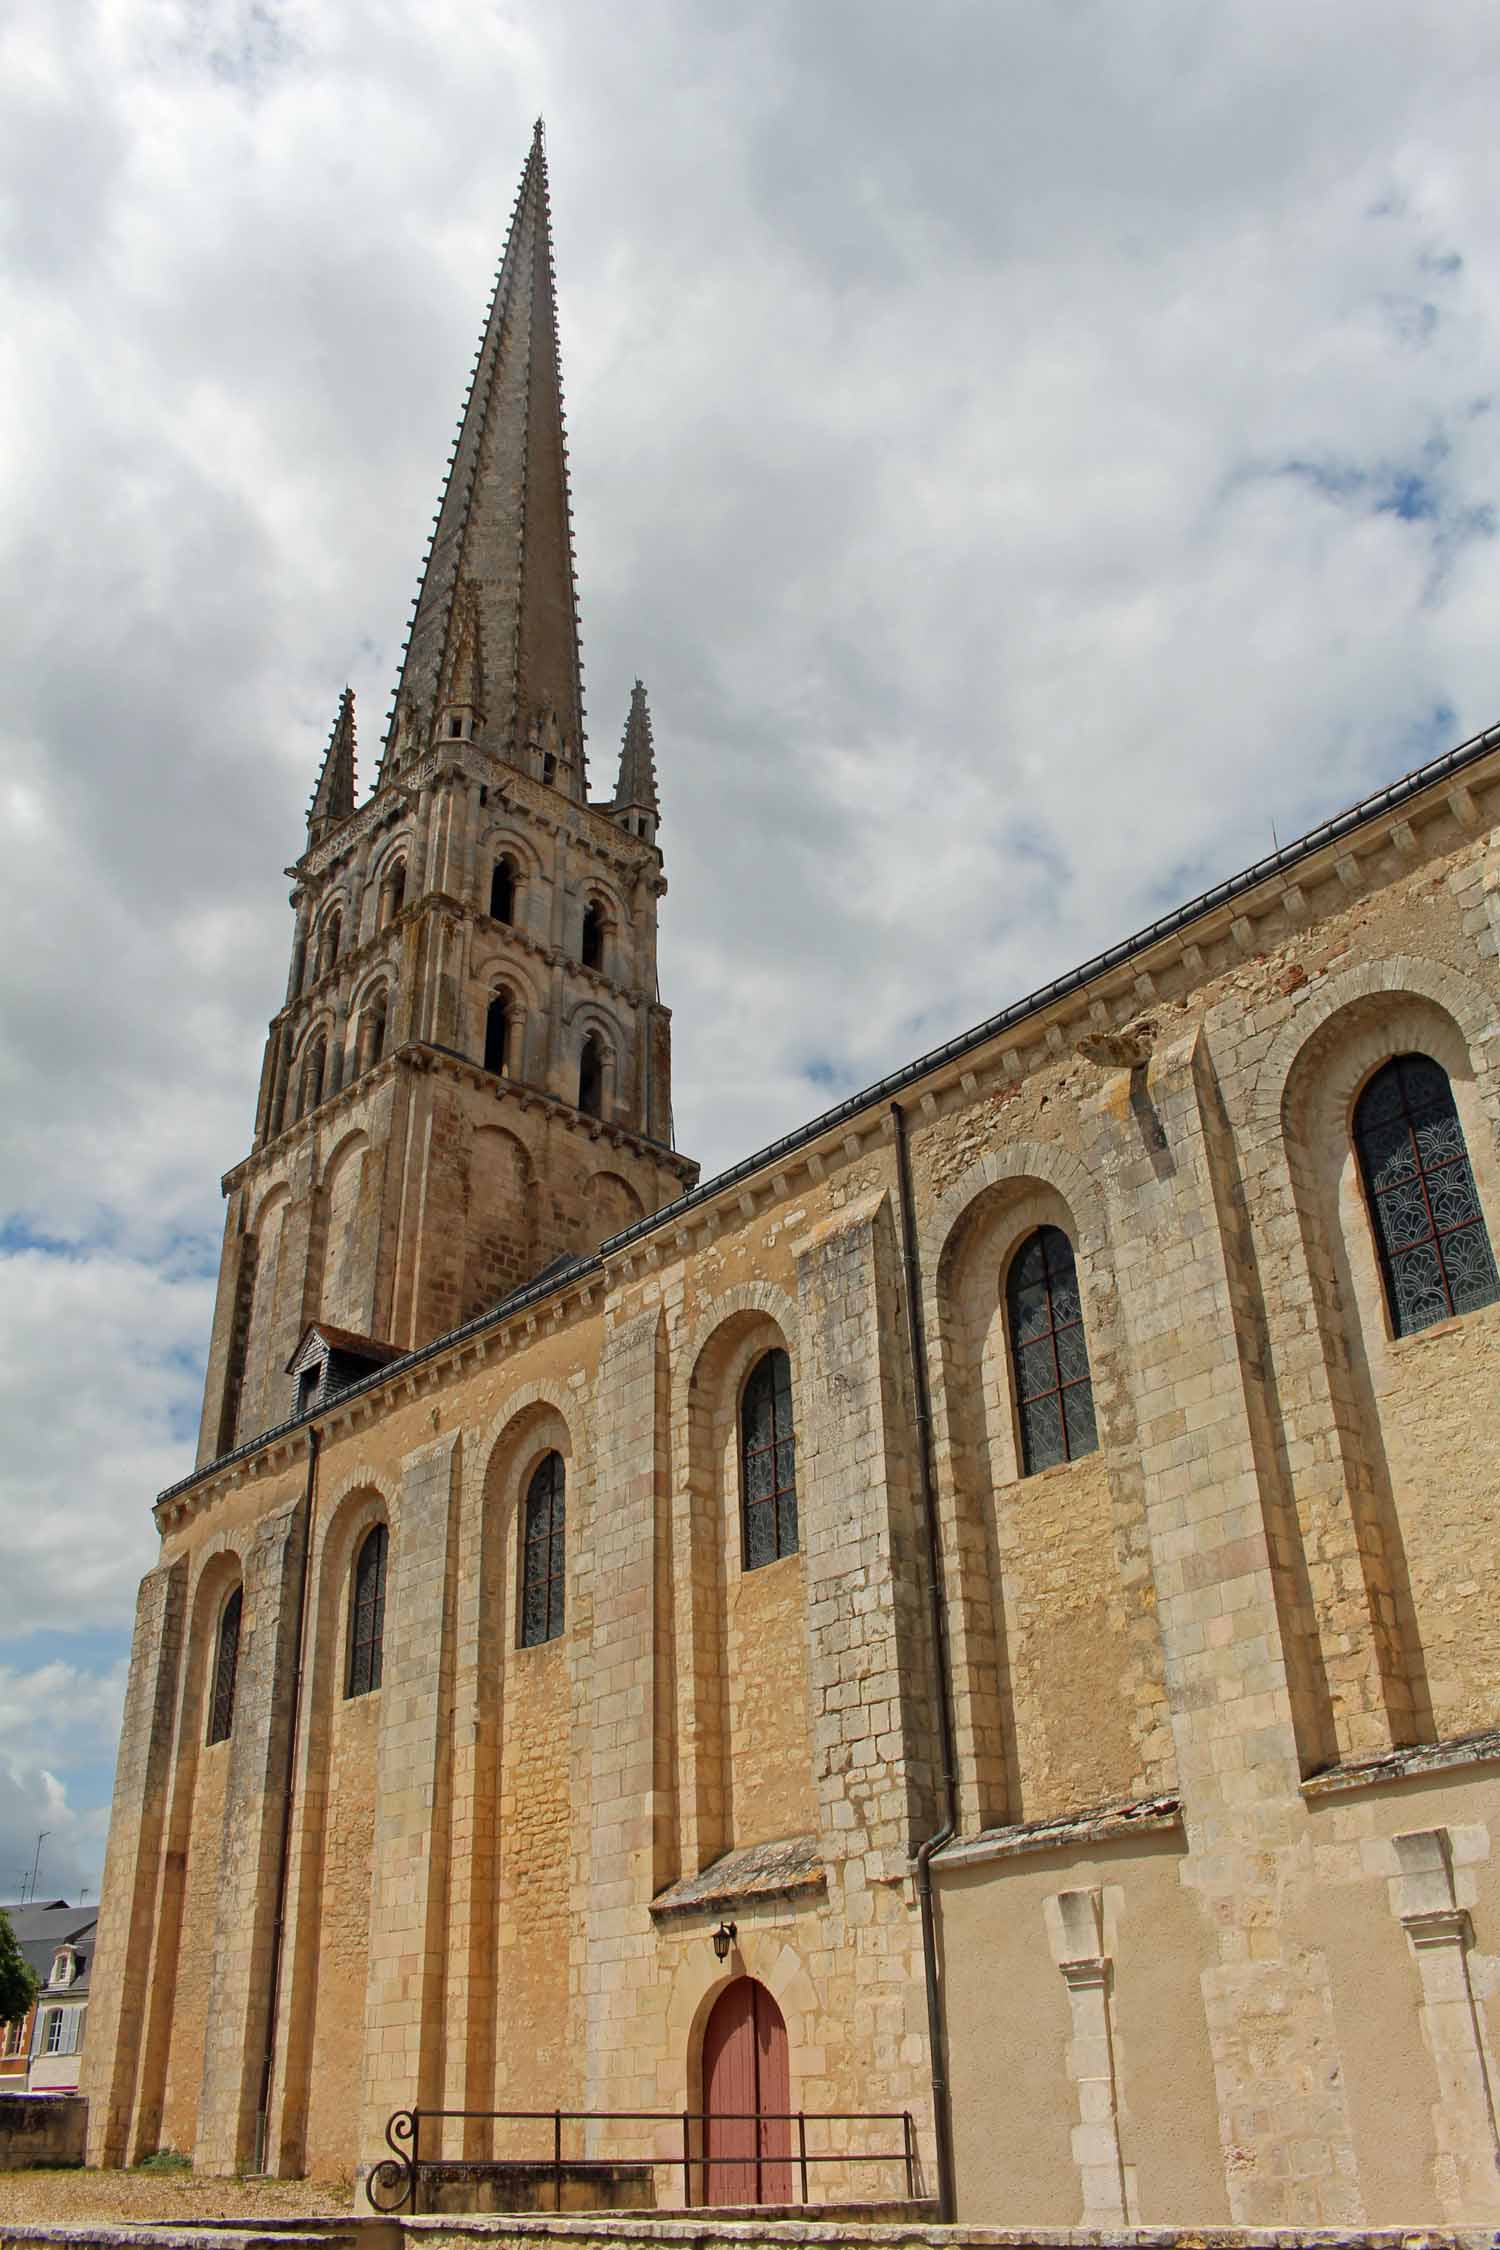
(1209, 1681)
(195, 1954)
(771, 1787)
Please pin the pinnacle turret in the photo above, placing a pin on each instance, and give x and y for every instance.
(635, 791)
(499, 571)
(333, 799)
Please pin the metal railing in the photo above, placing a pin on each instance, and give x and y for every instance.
(395, 2184)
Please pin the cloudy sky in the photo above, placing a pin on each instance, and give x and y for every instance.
(1028, 448)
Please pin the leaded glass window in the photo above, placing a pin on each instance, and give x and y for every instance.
(226, 1667)
(768, 1462)
(1434, 1248)
(367, 1613)
(544, 1553)
(1049, 1352)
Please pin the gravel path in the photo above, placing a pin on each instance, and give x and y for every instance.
(78, 2198)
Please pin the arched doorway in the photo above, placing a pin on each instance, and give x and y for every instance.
(747, 2092)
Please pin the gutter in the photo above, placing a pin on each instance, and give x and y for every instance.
(937, 2036)
(289, 1791)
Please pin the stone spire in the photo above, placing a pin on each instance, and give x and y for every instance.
(333, 799)
(635, 791)
(502, 542)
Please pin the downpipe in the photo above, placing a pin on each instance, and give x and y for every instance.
(937, 2037)
(289, 1792)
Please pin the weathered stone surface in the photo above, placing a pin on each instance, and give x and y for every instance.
(1225, 1686)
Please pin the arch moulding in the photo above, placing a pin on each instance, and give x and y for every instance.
(1402, 976)
(746, 1297)
(570, 1409)
(763, 1954)
(1046, 1162)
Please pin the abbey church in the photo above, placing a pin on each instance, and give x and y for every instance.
(955, 1666)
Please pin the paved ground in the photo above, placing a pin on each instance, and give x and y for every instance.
(78, 2198)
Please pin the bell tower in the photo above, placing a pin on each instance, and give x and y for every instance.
(470, 1077)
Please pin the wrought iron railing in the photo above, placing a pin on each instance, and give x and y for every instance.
(395, 2184)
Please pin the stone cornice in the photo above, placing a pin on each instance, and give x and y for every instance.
(589, 827)
(424, 1055)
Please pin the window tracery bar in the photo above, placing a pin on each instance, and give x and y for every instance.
(544, 1558)
(226, 1670)
(1049, 1353)
(1430, 1234)
(768, 1462)
(367, 1614)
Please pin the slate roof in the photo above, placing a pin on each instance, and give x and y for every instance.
(758, 1871)
(41, 1929)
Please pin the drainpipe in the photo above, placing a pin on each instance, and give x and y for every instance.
(284, 1858)
(937, 2040)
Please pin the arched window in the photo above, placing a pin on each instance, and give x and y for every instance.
(497, 1034)
(1049, 1352)
(768, 1462)
(332, 940)
(1435, 1255)
(503, 892)
(372, 1031)
(591, 1077)
(367, 1613)
(543, 1556)
(226, 1668)
(593, 936)
(393, 892)
(312, 1077)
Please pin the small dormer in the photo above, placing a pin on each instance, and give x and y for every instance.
(66, 1963)
(329, 1360)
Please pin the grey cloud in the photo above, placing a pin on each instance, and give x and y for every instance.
(932, 376)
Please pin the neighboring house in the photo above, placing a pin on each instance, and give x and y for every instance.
(39, 2053)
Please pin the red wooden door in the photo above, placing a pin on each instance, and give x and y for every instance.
(747, 2092)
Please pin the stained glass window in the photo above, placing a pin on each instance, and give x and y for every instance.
(768, 1462)
(544, 1558)
(226, 1667)
(1434, 1248)
(1049, 1352)
(367, 1613)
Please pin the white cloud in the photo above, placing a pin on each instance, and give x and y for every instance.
(41, 1830)
(1026, 452)
(98, 1389)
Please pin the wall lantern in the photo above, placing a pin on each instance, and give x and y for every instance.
(724, 1937)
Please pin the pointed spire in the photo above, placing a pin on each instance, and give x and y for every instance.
(636, 786)
(333, 799)
(504, 527)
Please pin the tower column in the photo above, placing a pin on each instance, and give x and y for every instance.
(366, 904)
(340, 1066)
(297, 969)
(562, 898)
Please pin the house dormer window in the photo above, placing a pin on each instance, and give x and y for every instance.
(64, 1965)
